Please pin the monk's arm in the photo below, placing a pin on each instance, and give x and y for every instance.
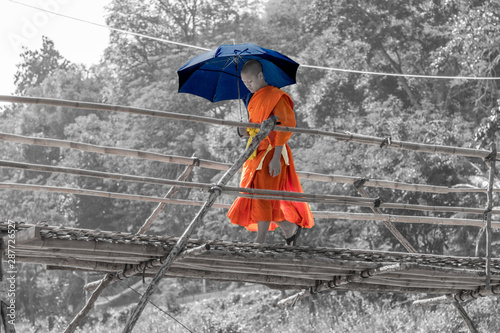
(284, 111)
(286, 117)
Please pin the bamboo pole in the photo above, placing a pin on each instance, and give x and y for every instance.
(222, 166)
(177, 183)
(180, 182)
(281, 195)
(111, 258)
(326, 273)
(102, 194)
(305, 264)
(286, 282)
(144, 265)
(403, 219)
(266, 127)
(149, 221)
(395, 232)
(464, 315)
(342, 280)
(113, 151)
(463, 296)
(348, 137)
(389, 279)
(391, 289)
(74, 323)
(313, 269)
(74, 264)
(230, 251)
(489, 206)
(97, 247)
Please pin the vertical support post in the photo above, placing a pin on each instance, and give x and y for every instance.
(490, 160)
(266, 127)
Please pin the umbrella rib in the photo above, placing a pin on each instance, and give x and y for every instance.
(217, 71)
(226, 65)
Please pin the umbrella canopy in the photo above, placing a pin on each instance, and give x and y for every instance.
(215, 75)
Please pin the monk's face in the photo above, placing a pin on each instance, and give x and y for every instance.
(253, 81)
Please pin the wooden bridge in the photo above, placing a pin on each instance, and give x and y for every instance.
(280, 267)
(307, 269)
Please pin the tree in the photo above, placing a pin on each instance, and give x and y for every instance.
(37, 65)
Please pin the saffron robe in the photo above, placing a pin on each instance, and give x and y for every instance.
(255, 173)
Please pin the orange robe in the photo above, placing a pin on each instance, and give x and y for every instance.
(246, 212)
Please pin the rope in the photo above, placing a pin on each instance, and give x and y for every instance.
(304, 66)
(253, 132)
(160, 309)
(402, 75)
(111, 28)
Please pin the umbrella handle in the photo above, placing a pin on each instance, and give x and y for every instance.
(239, 96)
(242, 132)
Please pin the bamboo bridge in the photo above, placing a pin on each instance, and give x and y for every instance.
(309, 270)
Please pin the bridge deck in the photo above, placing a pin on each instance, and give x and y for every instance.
(275, 266)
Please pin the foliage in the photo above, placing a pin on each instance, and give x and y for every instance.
(254, 309)
(36, 66)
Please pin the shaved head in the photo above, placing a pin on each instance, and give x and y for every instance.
(253, 76)
(252, 67)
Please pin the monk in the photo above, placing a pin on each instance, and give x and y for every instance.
(271, 166)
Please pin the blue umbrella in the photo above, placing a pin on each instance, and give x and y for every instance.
(215, 75)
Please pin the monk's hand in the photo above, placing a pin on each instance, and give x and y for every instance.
(275, 164)
(274, 167)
